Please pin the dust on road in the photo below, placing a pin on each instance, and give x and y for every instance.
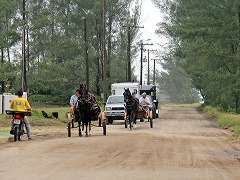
(181, 145)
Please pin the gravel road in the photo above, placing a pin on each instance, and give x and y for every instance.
(181, 145)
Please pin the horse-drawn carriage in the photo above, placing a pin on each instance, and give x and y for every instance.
(88, 110)
(141, 114)
(134, 111)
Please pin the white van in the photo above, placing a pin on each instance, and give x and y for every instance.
(118, 88)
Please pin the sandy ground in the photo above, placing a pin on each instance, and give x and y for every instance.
(181, 145)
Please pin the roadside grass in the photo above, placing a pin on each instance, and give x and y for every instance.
(37, 119)
(195, 105)
(230, 121)
(224, 120)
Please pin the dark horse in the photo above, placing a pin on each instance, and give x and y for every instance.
(132, 106)
(88, 109)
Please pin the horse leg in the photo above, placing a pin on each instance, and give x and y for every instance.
(133, 119)
(86, 123)
(90, 128)
(130, 121)
(79, 128)
(83, 122)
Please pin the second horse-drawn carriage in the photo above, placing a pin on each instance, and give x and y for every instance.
(134, 111)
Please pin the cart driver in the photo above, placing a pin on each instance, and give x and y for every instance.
(144, 101)
(73, 101)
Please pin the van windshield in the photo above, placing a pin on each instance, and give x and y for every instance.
(115, 99)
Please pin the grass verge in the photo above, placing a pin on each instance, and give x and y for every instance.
(224, 120)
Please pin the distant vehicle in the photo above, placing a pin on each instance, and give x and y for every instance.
(149, 90)
(118, 88)
(114, 108)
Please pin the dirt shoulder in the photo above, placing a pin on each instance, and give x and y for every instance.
(181, 145)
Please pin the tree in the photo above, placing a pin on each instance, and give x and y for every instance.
(206, 38)
(8, 33)
(55, 36)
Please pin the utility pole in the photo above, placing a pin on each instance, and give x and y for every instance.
(104, 51)
(129, 79)
(86, 51)
(24, 77)
(148, 77)
(154, 70)
(141, 59)
(129, 56)
(141, 63)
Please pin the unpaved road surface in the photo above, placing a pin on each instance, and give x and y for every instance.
(181, 145)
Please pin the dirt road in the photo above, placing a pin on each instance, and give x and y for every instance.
(181, 145)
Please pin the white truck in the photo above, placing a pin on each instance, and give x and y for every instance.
(118, 88)
(115, 105)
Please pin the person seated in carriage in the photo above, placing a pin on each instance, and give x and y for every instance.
(73, 101)
(144, 102)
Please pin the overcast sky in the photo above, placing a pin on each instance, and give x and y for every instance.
(150, 16)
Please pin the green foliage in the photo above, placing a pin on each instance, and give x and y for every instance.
(211, 112)
(229, 120)
(237, 130)
(56, 45)
(224, 120)
(204, 37)
(49, 99)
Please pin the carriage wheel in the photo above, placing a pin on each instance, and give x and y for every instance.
(72, 123)
(104, 128)
(150, 114)
(99, 122)
(69, 129)
(151, 122)
(125, 122)
(101, 119)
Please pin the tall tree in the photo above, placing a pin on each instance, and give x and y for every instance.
(206, 36)
(8, 30)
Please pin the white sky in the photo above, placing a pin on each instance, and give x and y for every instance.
(150, 16)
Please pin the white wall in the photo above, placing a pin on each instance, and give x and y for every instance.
(5, 101)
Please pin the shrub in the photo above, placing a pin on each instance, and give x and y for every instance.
(211, 112)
